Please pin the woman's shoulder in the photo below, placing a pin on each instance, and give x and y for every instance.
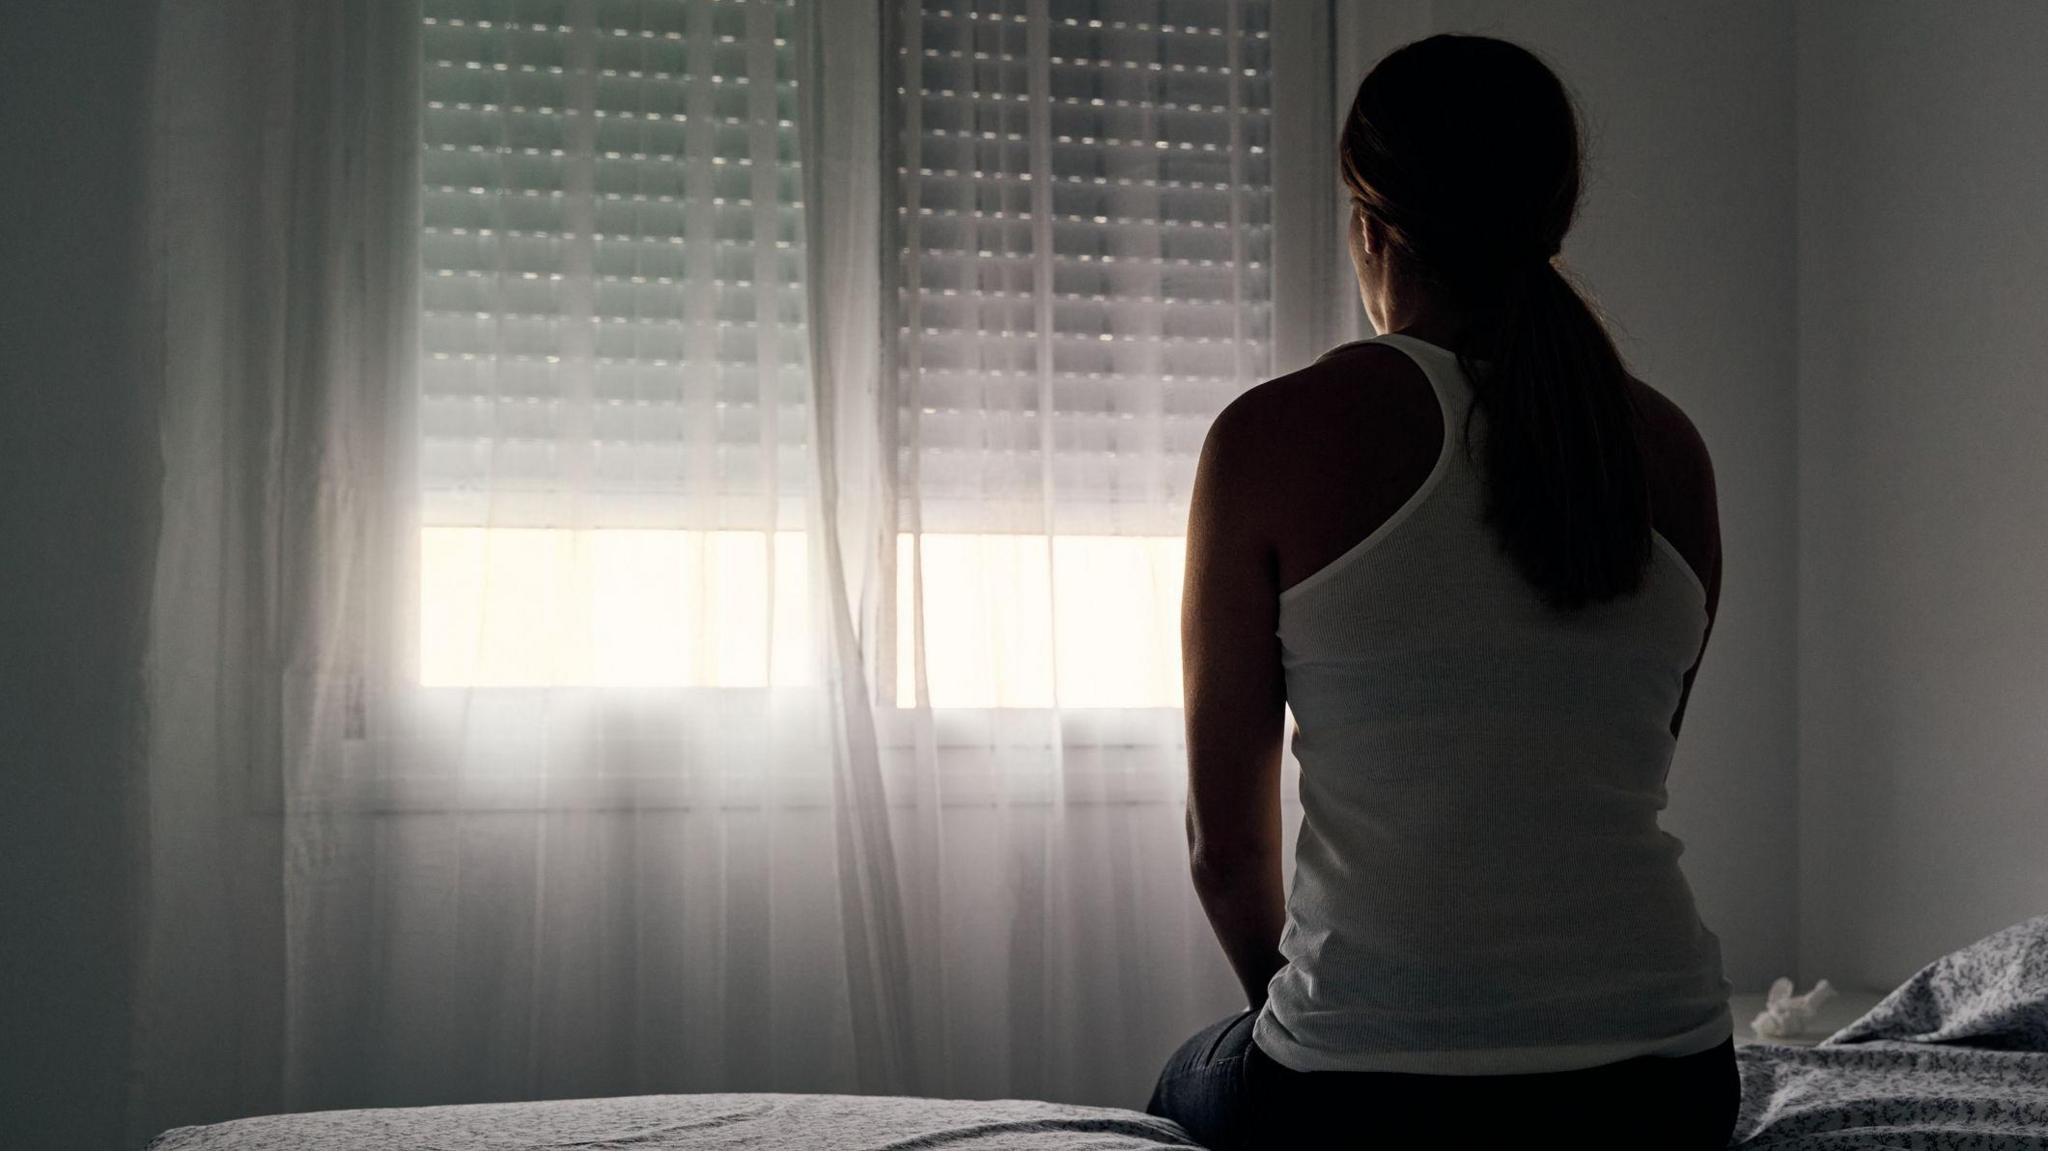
(1663, 414)
(1304, 395)
(1674, 440)
(1684, 506)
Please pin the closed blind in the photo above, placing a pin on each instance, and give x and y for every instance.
(1084, 278)
(612, 259)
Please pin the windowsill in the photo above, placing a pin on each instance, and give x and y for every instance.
(647, 749)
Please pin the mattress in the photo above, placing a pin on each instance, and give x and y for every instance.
(694, 1123)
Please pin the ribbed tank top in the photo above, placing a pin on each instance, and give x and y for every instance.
(1480, 885)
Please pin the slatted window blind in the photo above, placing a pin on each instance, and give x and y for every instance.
(614, 334)
(613, 328)
(612, 422)
(1085, 231)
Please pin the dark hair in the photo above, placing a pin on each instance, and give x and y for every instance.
(1466, 150)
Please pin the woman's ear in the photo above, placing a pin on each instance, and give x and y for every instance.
(1355, 238)
(1372, 237)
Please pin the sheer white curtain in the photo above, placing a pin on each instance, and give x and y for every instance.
(670, 572)
(1079, 227)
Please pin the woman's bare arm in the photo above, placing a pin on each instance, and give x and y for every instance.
(1687, 509)
(1235, 698)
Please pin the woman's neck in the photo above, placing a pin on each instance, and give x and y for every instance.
(1414, 311)
(1446, 332)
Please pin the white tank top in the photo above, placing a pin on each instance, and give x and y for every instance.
(1480, 885)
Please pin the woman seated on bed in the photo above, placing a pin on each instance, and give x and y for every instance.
(1479, 561)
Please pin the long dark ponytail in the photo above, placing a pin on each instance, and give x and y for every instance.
(1466, 150)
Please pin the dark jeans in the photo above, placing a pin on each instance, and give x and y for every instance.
(1229, 1094)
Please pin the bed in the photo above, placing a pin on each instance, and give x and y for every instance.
(1955, 1057)
(696, 1123)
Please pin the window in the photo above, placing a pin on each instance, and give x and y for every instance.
(1085, 229)
(613, 387)
(612, 408)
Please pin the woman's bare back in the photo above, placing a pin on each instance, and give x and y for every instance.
(1350, 439)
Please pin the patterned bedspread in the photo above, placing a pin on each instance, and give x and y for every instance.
(1956, 1057)
(694, 1123)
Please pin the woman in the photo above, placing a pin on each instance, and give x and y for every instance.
(1479, 562)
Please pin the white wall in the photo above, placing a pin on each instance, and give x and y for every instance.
(1923, 480)
(1686, 241)
(78, 473)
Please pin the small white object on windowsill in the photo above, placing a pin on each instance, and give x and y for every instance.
(1786, 1015)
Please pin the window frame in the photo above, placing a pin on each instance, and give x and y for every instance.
(1298, 193)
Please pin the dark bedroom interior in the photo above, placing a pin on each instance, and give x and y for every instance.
(1014, 575)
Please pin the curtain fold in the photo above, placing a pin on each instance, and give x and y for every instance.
(666, 585)
(840, 53)
(282, 243)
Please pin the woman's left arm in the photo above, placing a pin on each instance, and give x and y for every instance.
(1235, 699)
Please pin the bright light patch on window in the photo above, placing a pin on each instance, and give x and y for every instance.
(533, 607)
(504, 607)
(1117, 608)
(999, 620)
